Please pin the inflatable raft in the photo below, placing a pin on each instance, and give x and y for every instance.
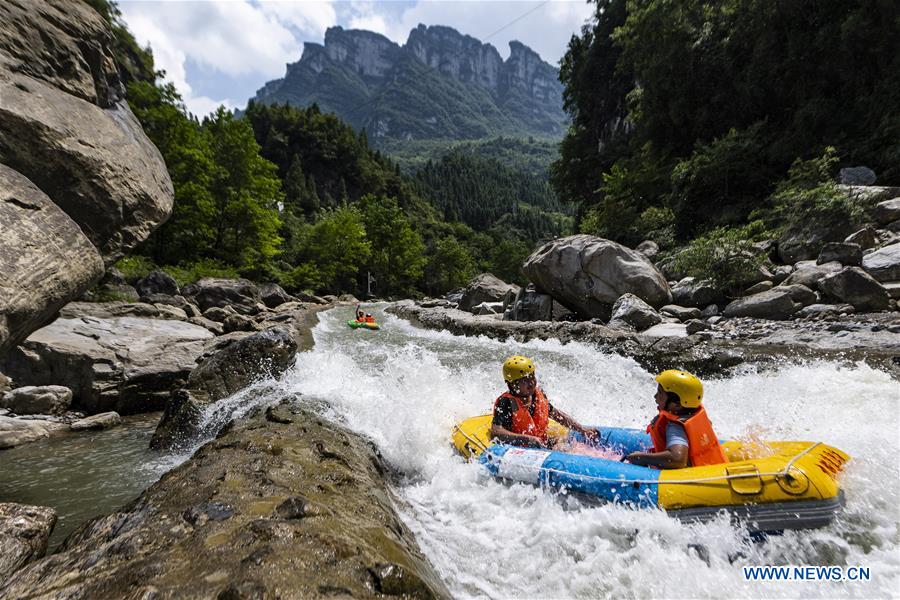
(770, 486)
(353, 324)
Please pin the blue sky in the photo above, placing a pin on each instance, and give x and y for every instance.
(221, 51)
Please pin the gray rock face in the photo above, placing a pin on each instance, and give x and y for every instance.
(128, 364)
(156, 282)
(65, 125)
(94, 422)
(272, 295)
(857, 176)
(24, 532)
(846, 253)
(634, 311)
(324, 526)
(854, 286)
(45, 259)
(38, 400)
(865, 238)
(776, 304)
(240, 294)
(219, 375)
(588, 274)
(485, 288)
(809, 274)
(883, 264)
(887, 211)
(691, 292)
(531, 305)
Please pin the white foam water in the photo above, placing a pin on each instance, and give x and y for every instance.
(406, 387)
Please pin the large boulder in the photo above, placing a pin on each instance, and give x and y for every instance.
(219, 375)
(856, 176)
(887, 211)
(846, 253)
(690, 291)
(865, 238)
(37, 400)
(808, 273)
(530, 305)
(854, 286)
(635, 312)
(273, 296)
(128, 364)
(281, 505)
(24, 532)
(45, 258)
(69, 145)
(588, 274)
(883, 264)
(800, 293)
(156, 282)
(776, 304)
(485, 288)
(209, 292)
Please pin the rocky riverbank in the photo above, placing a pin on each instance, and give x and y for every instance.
(281, 504)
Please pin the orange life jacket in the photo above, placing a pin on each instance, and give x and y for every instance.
(523, 422)
(360, 319)
(370, 319)
(703, 445)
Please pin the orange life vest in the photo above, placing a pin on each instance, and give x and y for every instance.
(523, 422)
(703, 445)
(370, 319)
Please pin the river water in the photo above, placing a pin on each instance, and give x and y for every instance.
(406, 387)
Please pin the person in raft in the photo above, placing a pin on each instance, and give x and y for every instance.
(682, 434)
(521, 415)
(360, 316)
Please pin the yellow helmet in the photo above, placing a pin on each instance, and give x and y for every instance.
(517, 367)
(687, 386)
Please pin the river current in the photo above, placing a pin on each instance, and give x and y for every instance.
(405, 387)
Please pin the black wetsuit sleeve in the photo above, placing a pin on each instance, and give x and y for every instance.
(503, 413)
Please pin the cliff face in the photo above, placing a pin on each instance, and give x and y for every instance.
(80, 183)
(440, 85)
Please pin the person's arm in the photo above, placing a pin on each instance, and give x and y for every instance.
(567, 421)
(673, 457)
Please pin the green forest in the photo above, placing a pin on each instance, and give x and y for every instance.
(726, 119)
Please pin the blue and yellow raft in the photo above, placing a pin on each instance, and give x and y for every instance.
(771, 486)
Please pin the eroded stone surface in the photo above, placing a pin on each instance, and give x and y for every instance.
(24, 531)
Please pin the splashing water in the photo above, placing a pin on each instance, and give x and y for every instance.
(406, 387)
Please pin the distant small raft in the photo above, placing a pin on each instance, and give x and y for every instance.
(357, 325)
(771, 486)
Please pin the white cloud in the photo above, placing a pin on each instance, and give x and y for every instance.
(309, 16)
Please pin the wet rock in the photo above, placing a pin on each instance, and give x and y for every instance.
(15, 432)
(157, 282)
(100, 421)
(856, 287)
(127, 364)
(846, 253)
(648, 248)
(762, 286)
(484, 288)
(635, 312)
(588, 274)
(244, 518)
(240, 295)
(272, 295)
(695, 326)
(887, 211)
(865, 238)
(664, 330)
(24, 532)
(681, 313)
(38, 400)
(775, 304)
(857, 176)
(692, 292)
(883, 264)
(219, 375)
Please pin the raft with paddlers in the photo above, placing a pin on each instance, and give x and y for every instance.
(363, 324)
(771, 486)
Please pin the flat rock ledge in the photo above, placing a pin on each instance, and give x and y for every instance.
(726, 345)
(283, 504)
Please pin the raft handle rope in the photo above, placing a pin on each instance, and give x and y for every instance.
(785, 473)
(475, 441)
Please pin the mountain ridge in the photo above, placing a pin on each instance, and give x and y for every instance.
(441, 84)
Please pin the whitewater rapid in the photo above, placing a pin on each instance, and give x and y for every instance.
(406, 387)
